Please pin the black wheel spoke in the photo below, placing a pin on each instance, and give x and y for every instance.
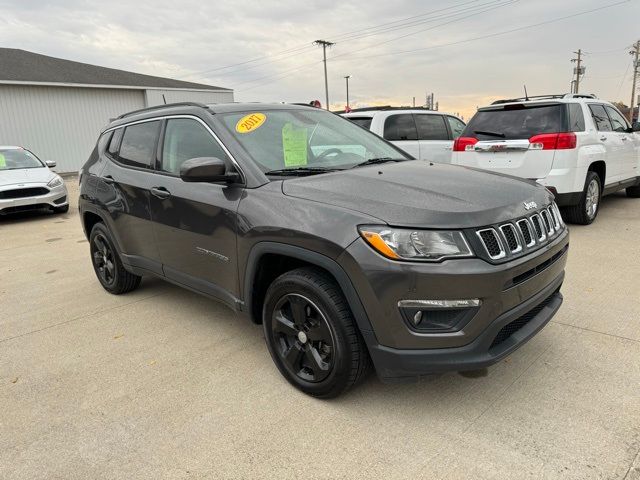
(293, 355)
(298, 307)
(283, 325)
(319, 330)
(97, 258)
(102, 246)
(319, 366)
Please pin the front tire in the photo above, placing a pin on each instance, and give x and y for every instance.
(311, 333)
(586, 211)
(111, 274)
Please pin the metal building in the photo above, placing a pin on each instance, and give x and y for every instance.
(56, 107)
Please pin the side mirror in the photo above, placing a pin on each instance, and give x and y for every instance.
(206, 169)
(635, 127)
(50, 163)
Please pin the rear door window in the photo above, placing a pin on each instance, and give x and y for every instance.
(517, 122)
(600, 117)
(431, 127)
(114, 144)
(618, 122)
(138, 147)
(400, 127)
(364, 122)
(576, 118)
(456, 126)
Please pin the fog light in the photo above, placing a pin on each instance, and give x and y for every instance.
(438, 316)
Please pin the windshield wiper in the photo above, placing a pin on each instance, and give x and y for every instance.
(301, 171)
(373, 161)
(490, 134)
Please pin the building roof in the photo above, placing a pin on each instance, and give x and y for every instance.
(28, 67)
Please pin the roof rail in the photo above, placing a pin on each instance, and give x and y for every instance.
(384, 107)
(545, 97)
(158, 107)
(580, 95)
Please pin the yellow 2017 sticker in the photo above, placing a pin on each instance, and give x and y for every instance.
(250, 122)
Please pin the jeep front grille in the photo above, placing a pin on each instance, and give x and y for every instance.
(492, 243)
(523, 235)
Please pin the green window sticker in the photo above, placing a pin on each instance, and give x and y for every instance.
(3, 161)
(294, 145)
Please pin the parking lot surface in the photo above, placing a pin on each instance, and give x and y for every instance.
(164, 383)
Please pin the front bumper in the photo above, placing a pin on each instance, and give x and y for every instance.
(55, 198)
(508, 291)
(493, 344)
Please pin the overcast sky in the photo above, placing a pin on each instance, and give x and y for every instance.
(193, 40)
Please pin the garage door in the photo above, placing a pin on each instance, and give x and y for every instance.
(61, 123)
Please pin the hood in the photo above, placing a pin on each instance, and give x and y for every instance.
(25, 175)
(423, 194)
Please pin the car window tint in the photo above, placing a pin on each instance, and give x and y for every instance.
(600, 118)
(400, 127)
(456, 126)
(516, 122)
(364, 122)
(431, 127)
(576, 118)
(618, 122)
(139, 144)
(115, 141)
(185, 139)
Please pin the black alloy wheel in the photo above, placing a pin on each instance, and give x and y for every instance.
(103, 260)
(303, 338)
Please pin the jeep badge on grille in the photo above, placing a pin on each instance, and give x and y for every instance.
(530, 205)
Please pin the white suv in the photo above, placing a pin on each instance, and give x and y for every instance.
(577, 146)
(423, 134)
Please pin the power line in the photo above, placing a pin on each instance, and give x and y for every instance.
(472, 39)
(339, 36)
(490, 35)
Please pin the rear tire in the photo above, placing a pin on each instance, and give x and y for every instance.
(111, 274)
(311, 333)
(586, 211)
(633, 192)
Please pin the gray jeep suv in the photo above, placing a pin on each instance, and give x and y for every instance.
(349, 252)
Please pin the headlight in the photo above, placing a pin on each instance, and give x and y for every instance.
(420, 245)
(56, 182)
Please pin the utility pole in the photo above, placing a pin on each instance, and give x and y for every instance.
(347, 77)
(324, 44)
(578, 69)
(634, 52)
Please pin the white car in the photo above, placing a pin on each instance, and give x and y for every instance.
(27, 183)
(423, 134)
(577, 146)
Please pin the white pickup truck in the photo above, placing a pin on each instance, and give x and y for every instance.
(423, 134)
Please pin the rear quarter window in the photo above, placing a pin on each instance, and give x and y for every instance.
(576, 118)
(517, 122)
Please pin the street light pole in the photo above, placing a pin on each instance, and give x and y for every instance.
(347, 77)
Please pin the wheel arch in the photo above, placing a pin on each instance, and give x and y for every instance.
(282, 258)
(599, 167)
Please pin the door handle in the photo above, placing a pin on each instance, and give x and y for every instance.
(603, 138)
(160, 192)
(108, 179)
(624, 139)
(448, 148)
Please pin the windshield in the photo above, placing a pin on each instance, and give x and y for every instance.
(516, 122)
(305, 139)
(13, 159)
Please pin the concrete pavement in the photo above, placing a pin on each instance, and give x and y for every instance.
(163, 383)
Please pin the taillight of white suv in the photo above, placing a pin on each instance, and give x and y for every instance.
(543, 141)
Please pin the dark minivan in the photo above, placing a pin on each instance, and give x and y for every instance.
(349, 252)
